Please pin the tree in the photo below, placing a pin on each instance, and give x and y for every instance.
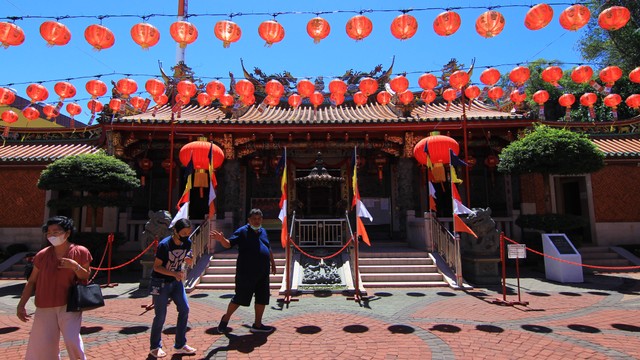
(620, 47)
(96, 180)
(547, 150)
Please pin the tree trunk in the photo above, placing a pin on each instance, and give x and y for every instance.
(547, 193)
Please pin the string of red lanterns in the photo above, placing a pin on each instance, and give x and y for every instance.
(488, 24)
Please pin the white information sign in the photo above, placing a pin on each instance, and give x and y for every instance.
(558, 247)
(517, 251)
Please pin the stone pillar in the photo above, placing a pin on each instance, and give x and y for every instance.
(231, 189)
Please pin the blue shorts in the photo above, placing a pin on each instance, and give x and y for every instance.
(247, 287)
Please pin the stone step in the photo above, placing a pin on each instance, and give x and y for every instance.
(368, 269)
(12, 274)
(607, 255)
(232, 269)
(232, 262)
(228, 286)
(396, 261)
(403, 284)
(394, 254)
(400, 277)
(233, 254)
(606, 263)
(230, 278)
(594, 249)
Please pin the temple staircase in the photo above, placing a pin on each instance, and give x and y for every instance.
(605, 256)
(220, 275)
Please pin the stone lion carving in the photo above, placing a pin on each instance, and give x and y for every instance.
(157, 227)
(488, 241)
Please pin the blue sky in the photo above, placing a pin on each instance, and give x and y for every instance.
(33, 61)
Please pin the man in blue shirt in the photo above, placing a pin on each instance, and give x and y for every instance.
(252, 269)
(166, 283)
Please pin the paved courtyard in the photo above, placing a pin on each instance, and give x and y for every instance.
(597, 319)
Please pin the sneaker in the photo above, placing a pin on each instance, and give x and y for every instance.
(186, 350)
(222, 327)
(157, 353)
(261, 329)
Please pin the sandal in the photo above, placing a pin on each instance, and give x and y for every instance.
(158, 353)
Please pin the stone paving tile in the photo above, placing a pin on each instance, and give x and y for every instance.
(594, 320)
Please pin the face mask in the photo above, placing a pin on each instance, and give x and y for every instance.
(183, 238)
(256, 228)
(56, 240)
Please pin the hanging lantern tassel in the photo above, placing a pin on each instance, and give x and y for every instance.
(541, 112)
(592, 112)
(176, 108)
(567, 114)
(93, 116)
(145, 106)
(5, 133)
(201, 180)
(438, 173)
(58, 106)
(142, 181)
(614, 112)
(597, 87)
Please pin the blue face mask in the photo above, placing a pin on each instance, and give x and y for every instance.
(256, 228)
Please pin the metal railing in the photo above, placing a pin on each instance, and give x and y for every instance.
(200, 241)
(503, 224)
(447, 245)
(320, 232)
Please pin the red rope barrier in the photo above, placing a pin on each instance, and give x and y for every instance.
(575, 263)
(101, 260)
(325, 257)
(128, 262)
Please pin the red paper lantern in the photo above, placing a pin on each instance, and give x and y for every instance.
(73, 109)
(115, 105)
(519, 75)
(226, 100)
(271, 31)
(383, 98)
(65, 90)
(633, 101)
(610, 75)
(245, 88)
(428, 96)
(552, 74)
(154, 87)
(337, 86)
(182, 100)
(449, 94)
(472, 92)
(574, 17)
(404, 26)
(37, 92)
(9, 116)
(566, 100)
(517, 97)
(31, 113)
(100, 37)
(459, 79)
(55, 33)
(495, 93)
(447, 23)
(137, 102)
(294, 100)
(337, 98)
(316, 99)
(634, 75)
(50, 111)
(318, 28)
(183, 32)
(227, 31)
(438, 148)
(274, 88)
(368, 86)
(7, 97)
(359, 27)
(490, 76)
(612, 100)
(96, 88)
(161, 99)
(538, 17)
(582, 74)
(588, 99)
(215, 89)
(399, 84)
(126, 87)
(490, 24)
(204, 99)
(248, 99)
(95, 106)
(305, 88)
(196, 153)
(271, 100)
(406, 97)
(541, 97)
(614, 18)
(10, 35)
(145, 35)
(188, 89)
(427, 81)
(359, 98)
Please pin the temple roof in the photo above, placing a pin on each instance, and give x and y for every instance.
(305, 115)
(43, 152)
(619, 147)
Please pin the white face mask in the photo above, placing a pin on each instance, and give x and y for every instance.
(56, 240)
